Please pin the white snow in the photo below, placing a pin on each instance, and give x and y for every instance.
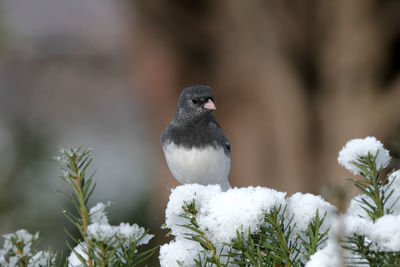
(385, 231)
(177, 199)
(330, 256)
(304, 206)
(181, 250)
(221, 214)
(238, 209)
(73, 260)
(127, 232)
(41, 259)
(101, 232)
(356, 148)
(98, 213)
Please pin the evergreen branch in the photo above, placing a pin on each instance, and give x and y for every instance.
(315, 237)
(377, 192)
(74, 164)
(198, 235)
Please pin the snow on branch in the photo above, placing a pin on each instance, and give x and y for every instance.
(258, 226)
(252, 226)
(221, 216)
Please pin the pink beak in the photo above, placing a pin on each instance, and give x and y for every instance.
(210, 105)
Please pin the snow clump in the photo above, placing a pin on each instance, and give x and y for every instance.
(357, 148)
(221, 214)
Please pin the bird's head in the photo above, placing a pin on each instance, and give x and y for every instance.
(195, 102)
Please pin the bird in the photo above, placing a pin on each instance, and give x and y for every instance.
(195, 148)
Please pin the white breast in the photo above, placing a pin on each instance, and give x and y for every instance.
(203, 166)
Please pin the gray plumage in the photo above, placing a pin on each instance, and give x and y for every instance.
(193, 141)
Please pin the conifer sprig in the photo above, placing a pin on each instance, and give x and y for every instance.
(99, 244)
(376, 192)
(314, 236)
(74, 163)
(20, 249)
(371, 185)
(197, 235)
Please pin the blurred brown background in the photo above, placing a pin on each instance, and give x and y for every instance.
(293, 81)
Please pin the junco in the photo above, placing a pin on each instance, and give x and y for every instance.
(195, 148)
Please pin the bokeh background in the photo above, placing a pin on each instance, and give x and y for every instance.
(293, 81)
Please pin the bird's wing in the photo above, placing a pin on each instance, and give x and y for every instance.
(220, 137)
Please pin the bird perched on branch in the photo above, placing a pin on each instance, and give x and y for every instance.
(195, 148)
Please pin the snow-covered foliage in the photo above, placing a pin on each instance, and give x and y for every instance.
(303, 208)
(356, 149)
(77, 255)
(118, 237)
(207, 223)
(19, 249)
(100, 243)
(99, 229)
(221, 215)
(98, 214)
(329, 256)
(251, 226)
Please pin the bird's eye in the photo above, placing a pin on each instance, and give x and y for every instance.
(228, 146)
(194, 101)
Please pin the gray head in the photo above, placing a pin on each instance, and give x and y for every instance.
(195, 102)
